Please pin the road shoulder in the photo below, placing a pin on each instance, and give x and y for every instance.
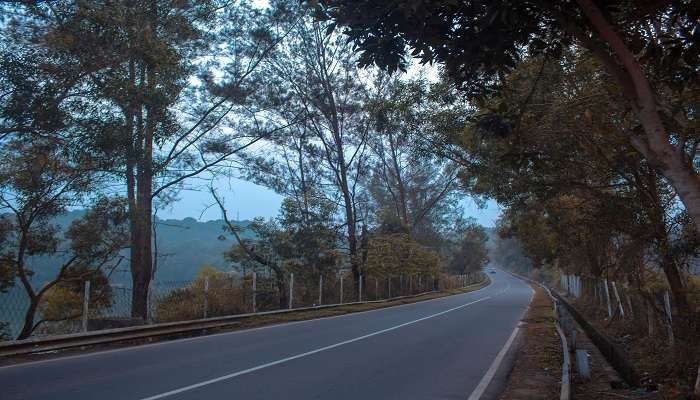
(536, 372)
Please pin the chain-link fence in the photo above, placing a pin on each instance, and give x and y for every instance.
(650, 308)
(219, 294)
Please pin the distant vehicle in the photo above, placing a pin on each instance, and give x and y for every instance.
(492, 271)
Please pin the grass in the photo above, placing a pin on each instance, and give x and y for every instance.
(537, 369)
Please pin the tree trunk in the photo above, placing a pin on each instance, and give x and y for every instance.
(29, 316)
(403, 207)
(670, 159)
(680, 297)
(141, 262)
(142, 265)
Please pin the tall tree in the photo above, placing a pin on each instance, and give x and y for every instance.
(576, 192)
(312, 76)
(650, 51)
(38, 181)
(162, 91)
(419, 188)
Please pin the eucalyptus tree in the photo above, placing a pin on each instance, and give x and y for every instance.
(312, 76)
(154, 86)
(650, 52)
(38, 182)
(47, 114)
(419, 187)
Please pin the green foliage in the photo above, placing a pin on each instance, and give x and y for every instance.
(480, 42)
(393, 254)
(301, 239)
(469, 253)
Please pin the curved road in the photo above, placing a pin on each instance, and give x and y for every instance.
(438, 349)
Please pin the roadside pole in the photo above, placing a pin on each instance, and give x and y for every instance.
(291, 290)
(206, 299)
(360, 291)
(341, 289)
(86, 305)
(320, 289)
(255, 278)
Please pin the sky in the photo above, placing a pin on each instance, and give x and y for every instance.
(245, 200)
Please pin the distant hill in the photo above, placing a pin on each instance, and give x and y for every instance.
(184, 246)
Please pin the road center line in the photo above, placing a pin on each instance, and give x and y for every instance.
(308, 353)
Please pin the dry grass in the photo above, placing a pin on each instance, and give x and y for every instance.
(537, 370)
(262, 320)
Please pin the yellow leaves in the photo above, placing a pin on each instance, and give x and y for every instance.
(61, 302)
(210, 273)
(394, 254)
(588, 115)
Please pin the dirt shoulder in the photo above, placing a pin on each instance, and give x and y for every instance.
(536, 372)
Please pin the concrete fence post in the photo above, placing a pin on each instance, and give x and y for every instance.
(376, 289)
(255, 283)
(389, 288)
(607, 297)
(320, 290)
(86, 305)
(410, 285)
(206, 296)
(360, 289)
(149, 304)
(595, 292)
(419, 283)
(401, 284)
(291, 290)
(669, 318)
(619, 301)
(583, 366)
(341, 289)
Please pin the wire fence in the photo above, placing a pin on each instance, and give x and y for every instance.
(218, 294)
(650, 309)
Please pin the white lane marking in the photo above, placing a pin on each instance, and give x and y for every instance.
(308, 353)
(237, 332)
(486, 379)
(491, 372)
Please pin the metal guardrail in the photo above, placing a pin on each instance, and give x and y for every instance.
(565, 393)
(608, 349)
(108, 336)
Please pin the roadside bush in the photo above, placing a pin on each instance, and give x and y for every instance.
(225, 296)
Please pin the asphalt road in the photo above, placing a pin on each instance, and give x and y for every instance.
(438, 349)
